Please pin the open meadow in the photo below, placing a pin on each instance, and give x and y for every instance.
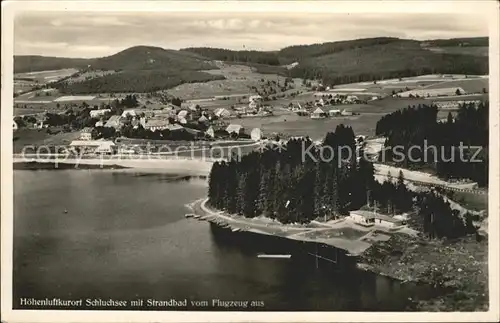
(43, 77)
(239, 79)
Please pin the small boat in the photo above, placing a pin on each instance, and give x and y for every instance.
(189, 215)
(65, 211)
(274, 256)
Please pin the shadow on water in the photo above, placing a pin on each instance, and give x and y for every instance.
(326, 275)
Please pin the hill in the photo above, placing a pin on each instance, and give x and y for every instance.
(136, 69)
(151, 58)
(381, 61)
(148, 68)
(365, 59)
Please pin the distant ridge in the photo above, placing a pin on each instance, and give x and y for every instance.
(366, 59)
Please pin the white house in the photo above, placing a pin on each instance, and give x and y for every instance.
(256, 134)
(235, 128)
(210, 132)
(351, 98)
(346, 113)
(254, 98)
(183, 114)
(86, 134)
(222, 113)
(318, 114)
(334, 112)
(97, 146)
(388, 221)
(98, 113)
(362, 217)
(203, 119)
(253, 105)
(99, 124)
(372, 218)
(154, 124)
(113, 122)
(129, 112)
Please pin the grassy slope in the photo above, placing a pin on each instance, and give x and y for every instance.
(41, 63)
(468, 50)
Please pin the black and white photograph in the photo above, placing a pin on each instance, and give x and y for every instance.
(218, 157)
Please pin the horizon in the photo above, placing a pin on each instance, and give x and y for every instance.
(248, 49)
(87, 35)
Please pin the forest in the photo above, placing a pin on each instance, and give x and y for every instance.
(284, 184)
(249, 56)
(436, 145)
(135, 81)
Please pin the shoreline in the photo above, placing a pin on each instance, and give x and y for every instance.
(408, 259)
(159, 166)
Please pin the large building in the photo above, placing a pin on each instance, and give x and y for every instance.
(129, 112)
(318, 114)
(154, 124)
(369, 218)
(113, 122)
(94, 146)
(222, 113)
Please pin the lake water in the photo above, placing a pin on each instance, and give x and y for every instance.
(125, 237)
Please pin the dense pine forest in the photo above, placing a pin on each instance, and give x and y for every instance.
(417, 127)
(283, 184)
(286, 184)
(357, 60)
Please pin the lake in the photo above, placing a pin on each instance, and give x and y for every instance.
(95, 234)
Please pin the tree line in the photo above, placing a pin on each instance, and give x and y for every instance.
(135, 81)
(282, 183)
(436, 145)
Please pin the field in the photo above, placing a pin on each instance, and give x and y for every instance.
(239, 80)
(467, 50)
(469, 85)
(295, 125)
(43, 77)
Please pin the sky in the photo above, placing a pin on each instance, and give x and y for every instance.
(91, 34)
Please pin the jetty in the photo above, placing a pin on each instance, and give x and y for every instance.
(274, 256)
